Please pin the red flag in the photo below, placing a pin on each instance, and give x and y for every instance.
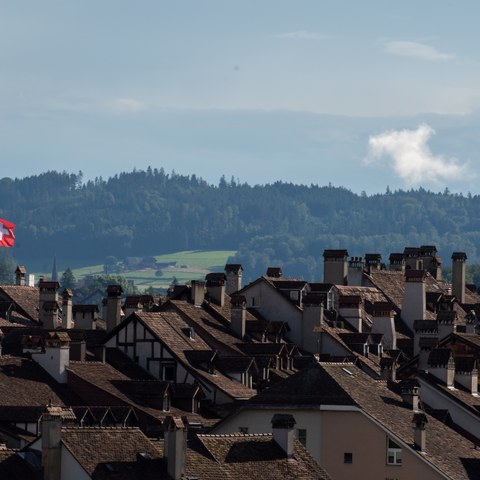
(7, 237)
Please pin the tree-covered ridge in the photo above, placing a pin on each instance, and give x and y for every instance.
(150, 212)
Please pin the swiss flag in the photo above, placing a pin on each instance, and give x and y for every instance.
(7, 237)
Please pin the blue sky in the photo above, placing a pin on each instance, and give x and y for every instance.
(359, 94)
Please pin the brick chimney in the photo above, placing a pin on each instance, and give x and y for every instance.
(56, 357)
(175, 449)
(355, 271)
(274, 272)
(238, 314)
(397, 262)
(49, 308)
(114, 306)
(283, 432)
(67, 305)
(458, 275)
(52, 443)
(414, 301)
(312, 322)
(384, 322)
(335, 267)
(233, 272)
(20, 275)
(419, 422)
(216, 288)
(350, 308)
(198, 292)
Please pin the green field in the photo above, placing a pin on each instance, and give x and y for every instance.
(189, 265)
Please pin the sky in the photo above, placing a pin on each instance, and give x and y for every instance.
(363, 95)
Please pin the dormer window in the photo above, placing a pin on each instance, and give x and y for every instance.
(294, 295)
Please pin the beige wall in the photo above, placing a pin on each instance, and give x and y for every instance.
(355, 433)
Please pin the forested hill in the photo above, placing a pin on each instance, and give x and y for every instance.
(150, 212)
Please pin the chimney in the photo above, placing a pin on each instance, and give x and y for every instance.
(350, 308)
(283, 433)
(238, 315)
(447, 323)
(410, 393)
(335, 266)
(20, 275)
(441, 364)
(233, 272)
(388, 368)
(373, 261)
(312, 322)
(397, 262)
(466, 374)
(100, 352)
(384, 322)
(414, 301)
(198, 292)
(427, 254)
(49, 306)
(472, 322)
(56, 357)
(175, 449)
(412, 258)
(67, 308)
(114, 306)
(419, 435)
(78, 351)
(274, 272)
(52, 443)
(355, 272)
(458, 275)
(216, 288)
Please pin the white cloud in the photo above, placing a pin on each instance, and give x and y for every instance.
(125, 105)
(301, 35)
(416, 50)
(410, 157)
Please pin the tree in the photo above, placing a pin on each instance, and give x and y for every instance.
(159, 273)
(67, 279)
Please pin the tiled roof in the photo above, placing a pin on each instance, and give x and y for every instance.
(260, 457)
(446, 450)
(168, 327)
(112, 450)
(26, 298)
(310, 386)
(23, 383)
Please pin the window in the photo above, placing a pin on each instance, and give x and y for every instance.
(394, 453)
(243, 430)
(302, 436)
(348, 457)
(167, 372)
(255, 301)
(294, 295)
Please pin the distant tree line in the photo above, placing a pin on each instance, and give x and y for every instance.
(152, 212)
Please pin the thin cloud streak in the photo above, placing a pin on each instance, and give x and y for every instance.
(408, 154)
(416, 50)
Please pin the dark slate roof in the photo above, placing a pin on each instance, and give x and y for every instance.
(439, 357)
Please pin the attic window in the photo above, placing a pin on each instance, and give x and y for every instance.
(348, 457)
(294, 295)
(255, 301)
(302, 436)
(394, 453)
